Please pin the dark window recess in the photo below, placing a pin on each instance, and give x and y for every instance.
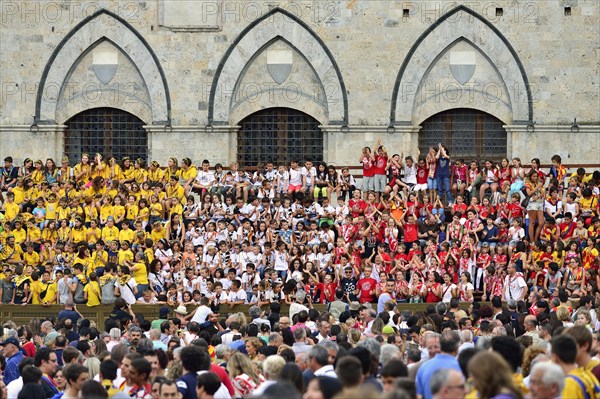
(499, 11)
(466, 133)
(567, 11)
(279, 135)
(406, 13)
(108, 131)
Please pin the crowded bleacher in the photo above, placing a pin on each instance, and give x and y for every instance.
(330, 263)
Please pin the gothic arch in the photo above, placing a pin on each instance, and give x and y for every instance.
(277, 24)
(103, 25)
(442, 34)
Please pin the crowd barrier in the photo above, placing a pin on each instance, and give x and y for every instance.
(24, 314)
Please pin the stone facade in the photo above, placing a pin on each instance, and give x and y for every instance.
(192, 70)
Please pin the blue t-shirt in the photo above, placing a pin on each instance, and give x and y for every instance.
(489, 233)
(443, 167)
(186, 385)
(427, 369)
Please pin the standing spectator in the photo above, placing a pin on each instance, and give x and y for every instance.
(442, 174)
(13, 355)
(245, 377)
(76, 375)
(546, 381)
(580, 383)
(446, 359)
(380, 166)
(447, 384)
(492, 377)
(318, 361)
(46, 360)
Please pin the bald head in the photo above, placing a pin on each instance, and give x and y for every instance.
(530, 323)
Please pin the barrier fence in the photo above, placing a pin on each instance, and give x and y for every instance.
(24, 314)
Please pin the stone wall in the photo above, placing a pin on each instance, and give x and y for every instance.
(364, 64)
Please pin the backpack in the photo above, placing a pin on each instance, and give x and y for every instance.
(108, 292)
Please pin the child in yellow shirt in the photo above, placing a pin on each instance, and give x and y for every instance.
(92, 292)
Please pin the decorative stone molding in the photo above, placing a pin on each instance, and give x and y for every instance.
(103, 25)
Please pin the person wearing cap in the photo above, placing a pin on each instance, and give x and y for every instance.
(11, 349)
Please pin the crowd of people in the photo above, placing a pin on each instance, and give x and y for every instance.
(343, 255)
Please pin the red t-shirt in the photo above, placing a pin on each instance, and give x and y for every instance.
(380, 164)
(357, 207)
(368, 167)
(422, 173)
(411, 232)
(365, 286)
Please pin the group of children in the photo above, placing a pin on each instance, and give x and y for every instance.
(436, 229)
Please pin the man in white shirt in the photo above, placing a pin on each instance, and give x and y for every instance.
(515, 286)
(297, 306)
(318, 362)
(202, 312)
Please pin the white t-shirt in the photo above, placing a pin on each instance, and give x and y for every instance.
(295, 177)
(126, 290)
(514, 287)
(205, 178)
(447, 292)
(202, 312)
(240, 295)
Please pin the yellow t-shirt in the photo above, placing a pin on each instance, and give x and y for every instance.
(190, 173)
(99, 259)
(573, 389)
(126, 235)
(110, 233)
(106, 211)
(20, 235)
(131, 211)
(37, 177)
(158, 235)
(129, 173)
(125, 255)
(63, 212)
(140, 175)
(91, 213)
(32, 259)
(178, 209)
(79, 235)
(35, 234)
(144, 214)
(93, 293)
(51, 235)
(36, 289)
(156, 175)
(93, 235)
(51, 208)
(156, 209)
(176, 191)
(140, 275)
(19, 193)
(587, 204)
(118, 212)
(11, 210)
(50, 293)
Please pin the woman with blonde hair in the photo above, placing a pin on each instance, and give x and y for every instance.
(492, 377)
(242, 372)
(252, 345)
(564, 315)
